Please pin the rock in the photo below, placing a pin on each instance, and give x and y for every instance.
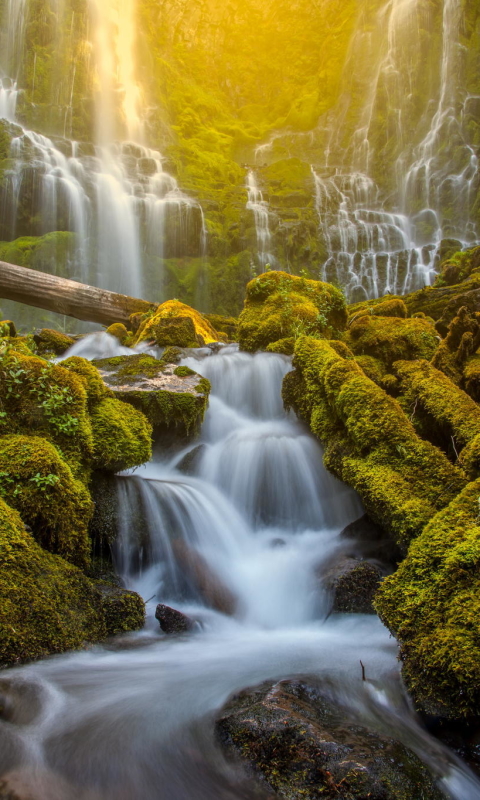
(354, 584)
(173, 621)
(50, 341)
(123, 610)
(168, 395)
(369, 540)
(209, 585)
(39, 784)
(292, 736)
(448, 247)
(189, 463)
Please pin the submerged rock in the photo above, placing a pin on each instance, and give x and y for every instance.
(212, 590)
(173, 621)
(294, 738)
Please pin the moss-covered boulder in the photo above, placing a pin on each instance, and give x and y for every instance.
(390, 338)
(169, 396)
(92, 380)
(221, 324)
(36, 480)
(176, 324)
(431, 604)
(280, 306)
(52, 342)
(370, 442)
(122, 436)
(301, 744)
(42, 399)
(48, 605)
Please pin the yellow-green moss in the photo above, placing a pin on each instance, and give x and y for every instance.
(35, 480)
(122, 436)
(372, 367)
(440, 411)
(471, 377)
(283, 346)
(48, 605)
(431, 604)
(50, 341)
(370, 443)
(227, 324)
(390, 339)
(156, 327)
(94, 385)
(39, 398)
(393, 307)
(119, 331)
(279, 306)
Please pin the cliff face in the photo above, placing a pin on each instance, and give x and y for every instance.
(338, 138)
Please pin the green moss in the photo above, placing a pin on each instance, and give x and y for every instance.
(471, 377)
(176, 324)
(431, 604)
(92, 380)
(50, 341)
(394, 307)
(280, 306)
(119, 331)
(35, 480)
(40, 398)
(122, 610)
(183, 372)
(370, 443)
(372, 367)
(459, 267)
(391, 339)
(283, 346)
(440, 411)
(226, 324)
(121, 434)
(172, 355)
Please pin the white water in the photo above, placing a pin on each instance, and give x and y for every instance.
(261, 215)
(134, 720)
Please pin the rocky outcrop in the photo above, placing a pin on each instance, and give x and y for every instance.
(168, 395)
(292, 737)
(173, 621)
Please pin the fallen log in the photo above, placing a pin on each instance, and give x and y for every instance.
(63, 296)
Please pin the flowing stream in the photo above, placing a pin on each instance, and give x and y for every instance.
(250, 498)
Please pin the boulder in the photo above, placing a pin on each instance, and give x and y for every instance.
(353, 584)
(205, 581)
(168, 395)
(299, 743)
(50, 341)
(173, 621)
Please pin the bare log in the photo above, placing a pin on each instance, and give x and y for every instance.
(78, 300)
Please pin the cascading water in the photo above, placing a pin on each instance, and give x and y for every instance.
(127, 213)
(400, 169)
(261, 216)
(135, 720)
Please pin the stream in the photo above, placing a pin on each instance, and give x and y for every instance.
(134, 719)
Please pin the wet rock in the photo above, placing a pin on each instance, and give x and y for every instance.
(50, 341)
(211, 589)
(169, 396)
(39, 784)
(369, 540)
(123, 610)
(353, 584)
(293, 737)
(173, 621)
(189, 463)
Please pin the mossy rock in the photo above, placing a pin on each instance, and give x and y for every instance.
(285, 347)
(47, 605)
(391, 339)
(122, 436)
(168, 399)
(94, 385)
(228, 325)
(440, 411)
(35, 480)
(471, 377)
(280, 306)
(119, 331)
(42, 399)
(458, 267)
(122, 610)
(370, 442)
(431, 604)
(50, 341)
(176, 324)
(394, 307)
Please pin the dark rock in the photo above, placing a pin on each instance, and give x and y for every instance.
(173, 621)
(295, 739)
(190, 461)
(205, 581)
(354, 584)
(369, 540)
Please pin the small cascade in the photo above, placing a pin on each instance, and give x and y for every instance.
(8, 99)
(370, 252)
(126, 211)
(261, 214)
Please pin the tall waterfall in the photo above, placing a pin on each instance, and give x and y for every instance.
(127, 212)
(259, 515)
(261, 215)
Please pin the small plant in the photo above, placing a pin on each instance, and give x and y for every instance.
(44, 482)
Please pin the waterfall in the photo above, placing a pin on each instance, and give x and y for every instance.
(261, 216)
(127, 212)
(134, 719)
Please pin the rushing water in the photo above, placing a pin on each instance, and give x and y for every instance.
(261, 215)
(259, 512)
